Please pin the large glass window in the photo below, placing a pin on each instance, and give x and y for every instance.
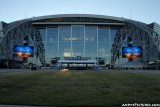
(104, 43)
(77, 40)
(51, 44)
(91, 41)
(65, 41)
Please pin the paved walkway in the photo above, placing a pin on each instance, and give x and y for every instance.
(145, 71)
(14, 70)
(48, 69)
(22, 70)
(21, 106)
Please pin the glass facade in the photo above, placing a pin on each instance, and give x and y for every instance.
(91, 41)
(78, 40)
(64, 49)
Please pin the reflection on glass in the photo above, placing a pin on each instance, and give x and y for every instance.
(64, 41)
(78, 40)
(91, 41)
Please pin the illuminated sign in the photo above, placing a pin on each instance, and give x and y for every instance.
(23, 51)
(132, 52)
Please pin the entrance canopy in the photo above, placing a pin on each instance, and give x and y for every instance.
(77, 61)
(77, 64)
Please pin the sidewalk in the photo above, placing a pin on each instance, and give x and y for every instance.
(20, 106)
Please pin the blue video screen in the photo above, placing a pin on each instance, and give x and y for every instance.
(23, 51)
(132, 52)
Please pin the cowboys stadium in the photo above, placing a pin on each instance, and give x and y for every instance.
(45, 40)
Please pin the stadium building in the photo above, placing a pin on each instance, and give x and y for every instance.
(85, 35)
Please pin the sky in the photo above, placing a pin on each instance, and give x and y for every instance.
(146, 11)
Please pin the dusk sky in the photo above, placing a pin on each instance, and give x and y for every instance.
(146, 11)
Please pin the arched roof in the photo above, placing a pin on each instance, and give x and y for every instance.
(77, 15)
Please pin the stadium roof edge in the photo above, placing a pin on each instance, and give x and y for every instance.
(77, 15)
